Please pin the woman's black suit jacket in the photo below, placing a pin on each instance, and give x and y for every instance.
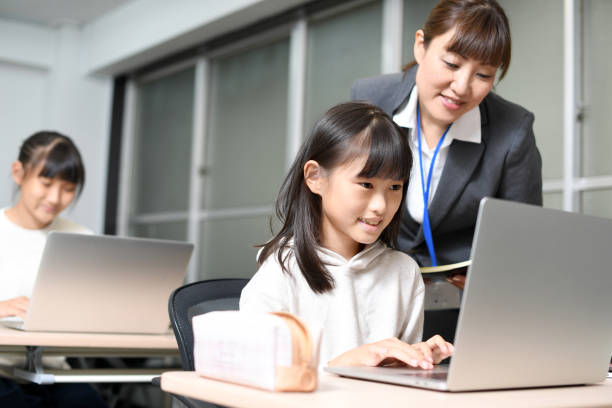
(506, 164)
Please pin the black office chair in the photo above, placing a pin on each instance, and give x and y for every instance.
(194, 299)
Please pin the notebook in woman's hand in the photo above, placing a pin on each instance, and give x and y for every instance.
(444, 271)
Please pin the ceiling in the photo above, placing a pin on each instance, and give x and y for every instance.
(56, 12)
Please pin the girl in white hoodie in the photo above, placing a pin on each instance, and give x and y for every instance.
(333, 263)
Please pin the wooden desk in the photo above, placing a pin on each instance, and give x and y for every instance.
(337, 392)
(35, 345)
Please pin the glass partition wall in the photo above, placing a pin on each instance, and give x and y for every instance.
(207, 140)
(244, 157)
(595, 107)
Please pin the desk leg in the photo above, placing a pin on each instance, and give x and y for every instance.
(34, 371)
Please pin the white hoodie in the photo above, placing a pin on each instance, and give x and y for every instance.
(378, 294)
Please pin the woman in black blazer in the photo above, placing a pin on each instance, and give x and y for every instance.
(480, 144)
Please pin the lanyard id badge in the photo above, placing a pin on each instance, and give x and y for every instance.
(425, 188)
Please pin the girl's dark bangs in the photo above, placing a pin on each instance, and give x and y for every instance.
(481, 40)
(62, 162)
(387, 156)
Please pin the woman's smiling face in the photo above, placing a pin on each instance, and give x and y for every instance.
(449, 84)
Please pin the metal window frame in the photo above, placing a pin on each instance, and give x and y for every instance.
(125, 215)
(392, 36)
(582, 184)
(194, 215)
(198, 158)
(571, 88)
(127, 145)
(570, 186)
(296, 93)
(336, 8)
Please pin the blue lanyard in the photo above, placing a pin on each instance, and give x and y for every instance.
(426, 224)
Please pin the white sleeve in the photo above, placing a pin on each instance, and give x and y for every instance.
(413, 329)
(268, 290)
(413, 333)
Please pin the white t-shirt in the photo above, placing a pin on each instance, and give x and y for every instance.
(378, 294)
(465, 128)
(20, 253)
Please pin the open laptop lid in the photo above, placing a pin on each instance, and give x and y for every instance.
(93, 283)
(536, 310)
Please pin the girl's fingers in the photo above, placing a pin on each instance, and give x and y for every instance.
(394, 351)
(441, 348)
(420, 355)
(20, 305)
(379, 353)
(409, 355)
(438, 342)
(22, 301)
(425, 350)
(14, 307)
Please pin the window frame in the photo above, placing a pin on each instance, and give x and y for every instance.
(294, 25)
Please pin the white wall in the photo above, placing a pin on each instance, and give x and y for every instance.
(143, 30)
(61, 78)
(22, 105)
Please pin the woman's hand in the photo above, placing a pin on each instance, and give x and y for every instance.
(457, 280)
(395, 352)
(14, 307)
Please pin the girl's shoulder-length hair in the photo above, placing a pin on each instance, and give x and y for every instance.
(345, 132)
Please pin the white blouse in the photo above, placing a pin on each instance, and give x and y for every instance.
(466, 128)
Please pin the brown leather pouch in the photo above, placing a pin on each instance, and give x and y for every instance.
(273, 351)
(301, 375)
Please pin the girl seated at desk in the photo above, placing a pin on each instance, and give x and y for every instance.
(49, 174)
(334, 263)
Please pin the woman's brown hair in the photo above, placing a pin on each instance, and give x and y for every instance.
(482, 31)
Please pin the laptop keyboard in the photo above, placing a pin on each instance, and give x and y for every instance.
(433, 376)
(429, 374)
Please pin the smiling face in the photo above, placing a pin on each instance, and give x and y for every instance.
(449, 84)
(41, 199)
(355, 210)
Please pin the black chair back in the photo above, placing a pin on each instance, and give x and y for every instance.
(197, 298)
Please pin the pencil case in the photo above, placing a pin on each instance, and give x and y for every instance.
(272, 351)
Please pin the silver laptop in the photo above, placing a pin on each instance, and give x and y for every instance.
(536, 307)
(105, 284)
